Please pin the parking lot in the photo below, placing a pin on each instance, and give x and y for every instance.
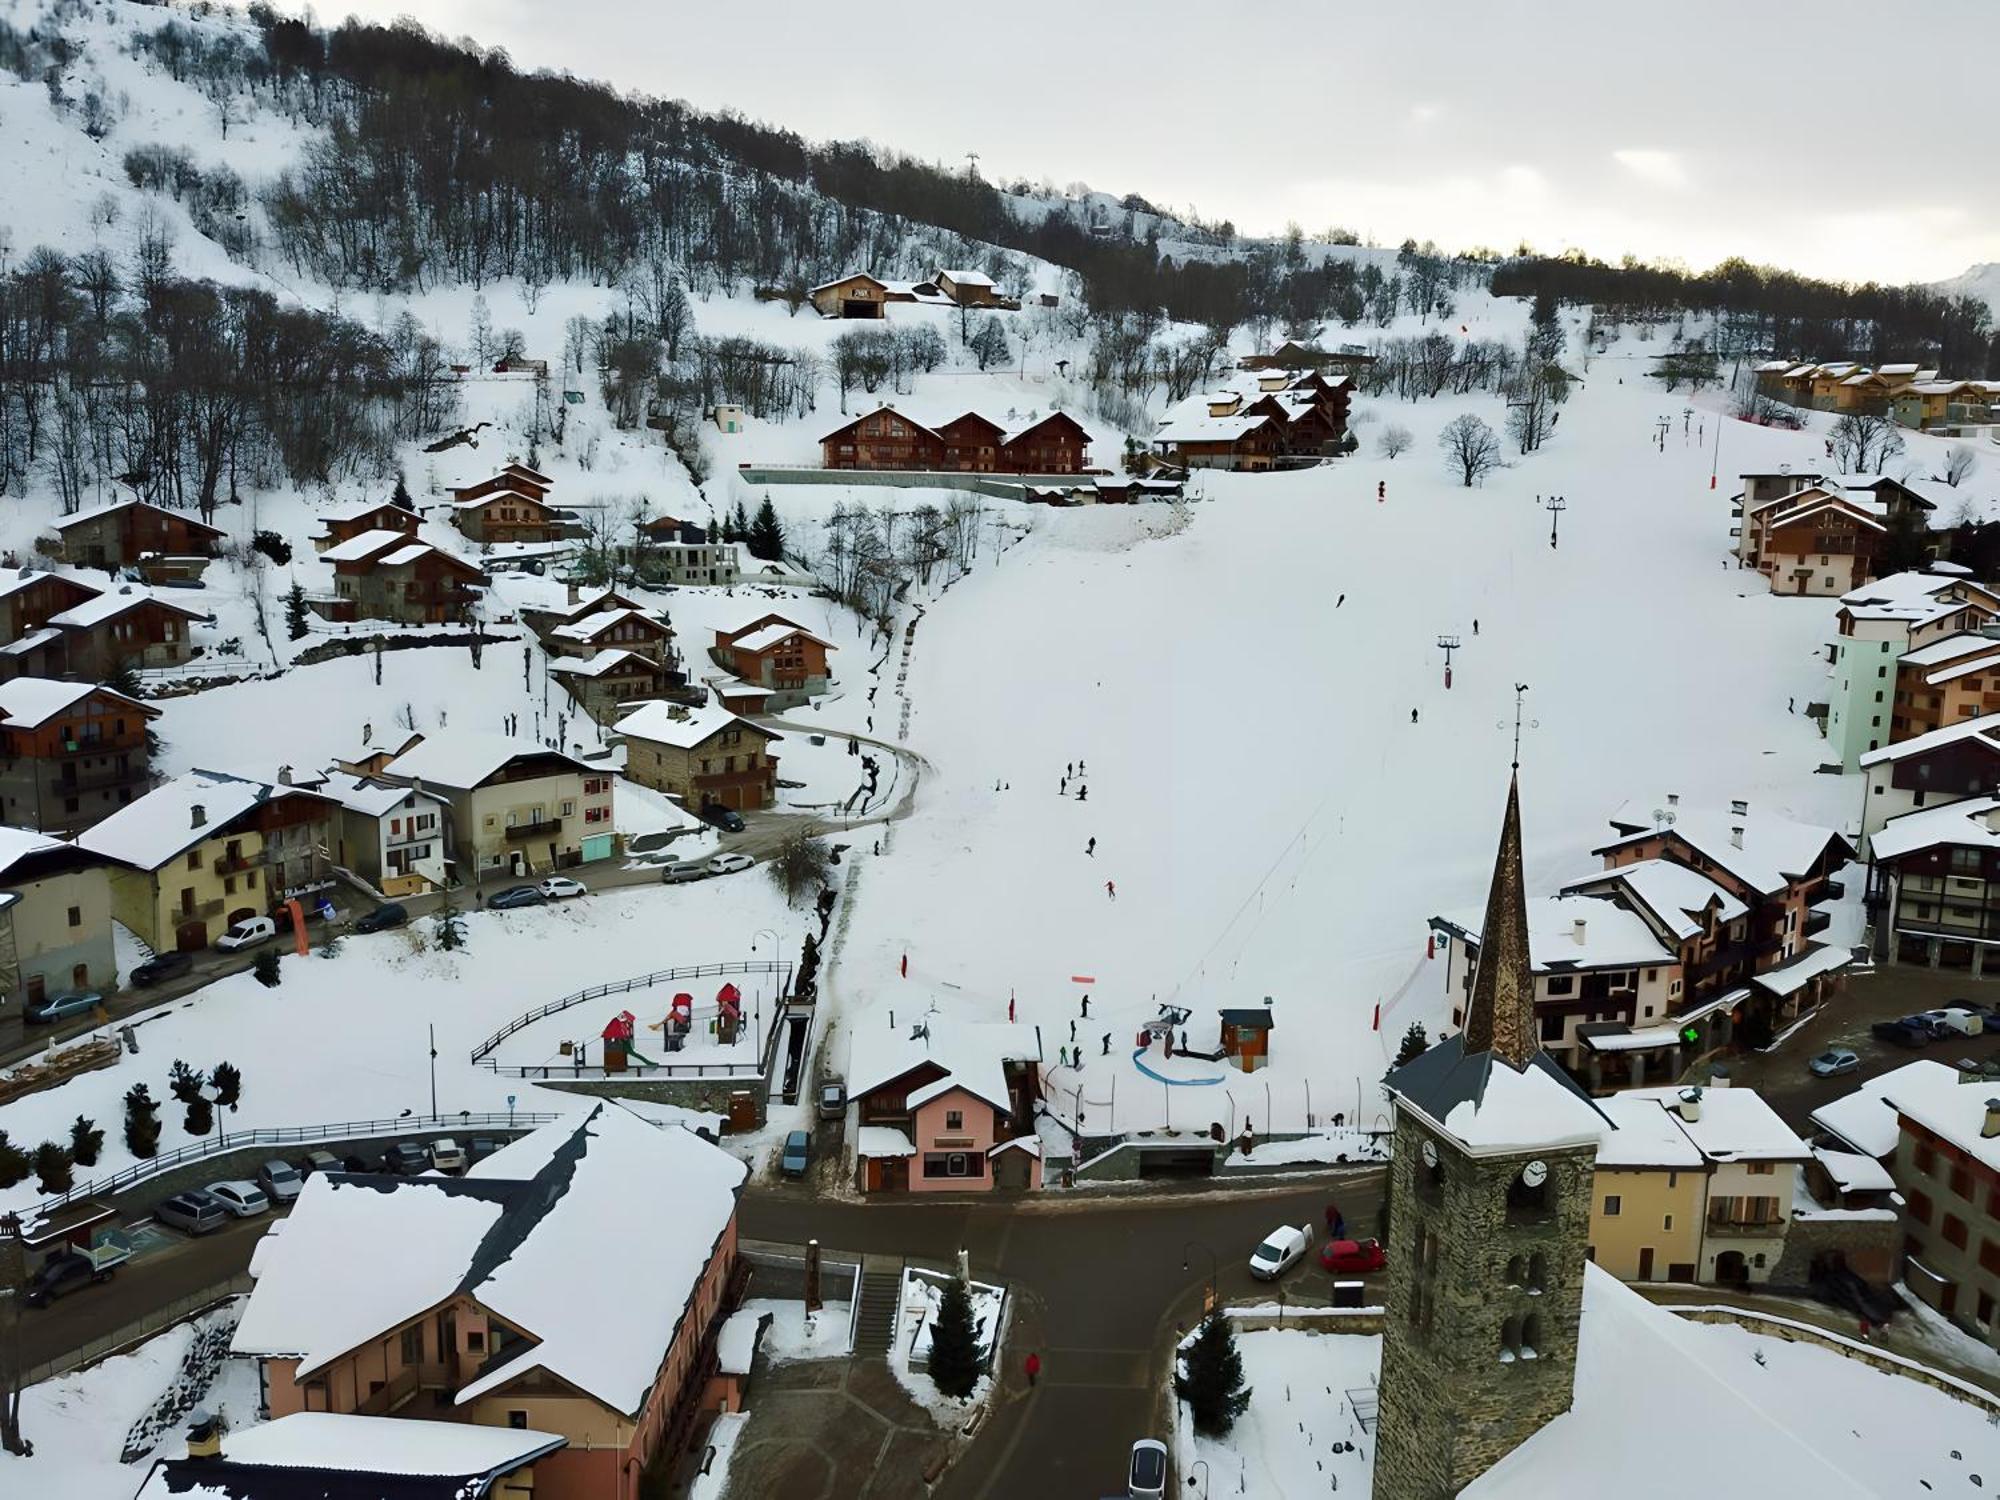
(1882, 994)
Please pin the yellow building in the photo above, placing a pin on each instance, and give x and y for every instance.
(208, 849)
(517, 807)
(1645, 1221)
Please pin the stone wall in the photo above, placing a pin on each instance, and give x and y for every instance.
(708, 1095)
(1870, 1247)
(1452, 1403)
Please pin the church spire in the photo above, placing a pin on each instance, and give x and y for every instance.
(1501, 1017)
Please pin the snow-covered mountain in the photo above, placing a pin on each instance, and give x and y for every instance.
(1981, 281)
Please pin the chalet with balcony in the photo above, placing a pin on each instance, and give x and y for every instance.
(775, 653)
(129, 533)
(384, 575)
(476, 1317)
(207, 849)
(582, 603)
(518, 808)
(619, 627)
(1054, 444)
(702, 757)
(1814, 543)
(945, 1107)
(1959, 761)
(970, 443)
(514, 478)
(609, 682)
(29, 599)
(1944, 683)
(1219, 431)
(393, 836)
(507, 515)
(71, 753)
(351, 521)
(1876, 625)
(1935, 885)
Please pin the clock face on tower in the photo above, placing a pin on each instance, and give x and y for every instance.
(1535, 1173)
(1430, 1153)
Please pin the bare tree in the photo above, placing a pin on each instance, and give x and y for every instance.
(1395, 439)
(1863, 441)
(1958, 468)
(1471, 449)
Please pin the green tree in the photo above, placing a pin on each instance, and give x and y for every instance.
(401, 495)
(296, 614)
(1414, 1044)
(52, 1168)
(265, 967)
(1210, 1379)
(767, 537)
(450, 926)
(738, 525)
(228, 1079)
(183, 1082)
(200, 1117)
(957, 1356)
(13, 1162)
(85, 1141)
(142, 1122)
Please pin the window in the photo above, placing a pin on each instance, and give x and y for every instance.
(76, 916)
(413, 1344)
(1961, 1181)
(954, 1119)
(1920, 1207)
(1953, 1228)
(1538, 1269)
(475, 1340)
(1531, 1335)
(1926, 1160)
(194, 859)
(1562, 984)
(1612, 1204)
(1510, 1341)
(1552, 1027)
(1667, 1221)
(518, 1420)
(1760, 1169)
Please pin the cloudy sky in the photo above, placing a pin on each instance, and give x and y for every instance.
(1844, 139)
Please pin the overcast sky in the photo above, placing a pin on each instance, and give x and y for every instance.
(1845, 139)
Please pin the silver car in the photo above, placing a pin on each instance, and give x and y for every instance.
(244, 1199)
(280, 1181)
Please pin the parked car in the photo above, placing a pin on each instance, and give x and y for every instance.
(244, 1199)
(480, 1147)
(447, 1155)
(388, 914)
(798, 1148)
(162, 967)
(562, 888)
(59, 1275)
(1146, 1471)
(682, 871)
(1352, 1257)
(1282, 1249)
(61, 1006)
(726, 818)
(1966, 1020)
(407, 1158)
(516, 895)
(247, 933)
(1901, 1033)
(193, 1212)
(1833, 1062)
(729, 864)
(359, 1163)
(319, 1161)
(280, 1181)
(832, 1099)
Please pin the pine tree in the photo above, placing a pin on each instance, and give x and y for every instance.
(1415, 1043)
(296, 614)
(200, 1117)
(13, 1162)
(767, 537)
(1211, 1378)
(739, 524)
(957, 1356)
(142, 1122)
(450, 926)
(228, 1080)
(52, 1173)
(400, 497)
(265, 967)
(85, 1141)
(183, 1082)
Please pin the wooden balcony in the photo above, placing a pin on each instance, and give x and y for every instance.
(516, 832)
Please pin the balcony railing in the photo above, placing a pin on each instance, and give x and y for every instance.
(96, 781)
(1818, 922)
(518, 831)
(1761, 1228)
(205, 910)
(236, 864)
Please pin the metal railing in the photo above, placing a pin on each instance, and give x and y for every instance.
(625, 986)
(140, 1329)
(283, 1135)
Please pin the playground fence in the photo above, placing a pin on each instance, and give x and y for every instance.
(621, 987)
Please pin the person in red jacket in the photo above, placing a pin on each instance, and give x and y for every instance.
(1033, 1367)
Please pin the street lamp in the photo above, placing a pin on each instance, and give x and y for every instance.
(758, 1004)
(1201, 1464)
(1214, 1270)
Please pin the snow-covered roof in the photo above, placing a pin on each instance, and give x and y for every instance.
(599, 664)
(825, 286)
(1985, 728)
(1613, 937)
(1202, 428)
(16, 844)
(884, 1140)
(410, 552)
(98, 512)
(1532, 1106)
(378, 1445)
(1866, 1122)
(1645, 1133)
(1952, 1110)
(496, 495)
(364, 545)
(968, 278)
(162, 824)
(33, 641)
(1966, 668)
(464, 758)
(356, 510)
(1853, 1173)
(770, 635)
(658, 723)
(1953, 647)
(1860, 514)
(1963, 825)
(1818, 959)
(108, 606)
(589, 627)
(1671, 892)
(1774, 851)
(28, 702)
(1911, 597)
(1734, 1124)
(512, 1235)
(1032, 1144)
(736, 1344)
(364, 794)
(972, 1054)
(1618, 1439)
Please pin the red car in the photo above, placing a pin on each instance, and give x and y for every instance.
(1352, 1257)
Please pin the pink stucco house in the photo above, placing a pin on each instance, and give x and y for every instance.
(946, 1108)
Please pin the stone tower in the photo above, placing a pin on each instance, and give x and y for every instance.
(1490, 1187)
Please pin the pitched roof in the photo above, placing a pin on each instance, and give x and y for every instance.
(30, 702)
(464, 758)
(682, 727)
(771, 635)
(496, 495)
(366, 795)
(1612, 937)
(109, 606)
(365, 544)
(1968, 824)
(973, 1056)
(1867, 1122)
(98, 512)
(591, 626)
(597, 665)
(1671, 892)
(1732, 1124)
(13, 580)
(162, 824)
(16, 844)
(1984, 730)
(512, 1235)
(1774, 850)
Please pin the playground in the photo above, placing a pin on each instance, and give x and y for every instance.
(683, 1025)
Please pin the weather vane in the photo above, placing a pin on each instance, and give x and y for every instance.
(1520, 723)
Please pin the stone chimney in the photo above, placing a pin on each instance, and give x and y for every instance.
(1991, 1126)
(1577, 929)
(1736, 835)
(197, 816)
(1689, 1105)
(204, 1439)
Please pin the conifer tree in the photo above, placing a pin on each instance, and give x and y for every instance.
(1211, 1378)
(52, 1168)
(957, 1356)
(13, 1162)
(142, 1122)
(85, 1141)
(296, 614)
(1415, 1043)
(767, 537)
